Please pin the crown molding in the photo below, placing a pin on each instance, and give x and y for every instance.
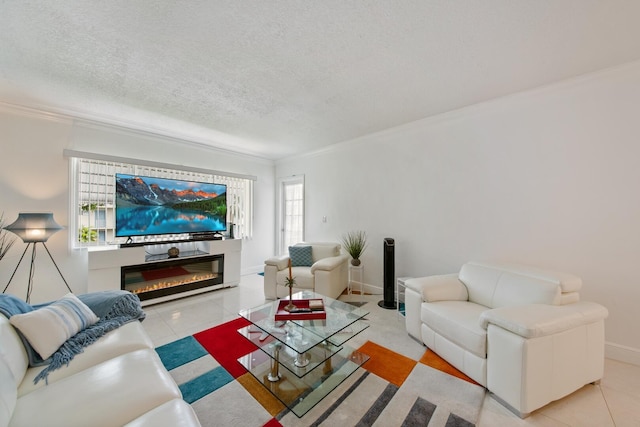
(502, 102)
(86, 120)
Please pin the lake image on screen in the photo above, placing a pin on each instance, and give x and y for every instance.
(153, 206)
(135, 221)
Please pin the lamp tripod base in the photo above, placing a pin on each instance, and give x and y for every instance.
(32, 269)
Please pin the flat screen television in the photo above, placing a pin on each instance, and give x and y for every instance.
(155, 206)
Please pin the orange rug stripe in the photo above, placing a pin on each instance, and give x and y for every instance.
(387, 364)
(272, 405)
(431, 359)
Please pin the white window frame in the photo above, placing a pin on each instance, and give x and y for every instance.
(92, 183)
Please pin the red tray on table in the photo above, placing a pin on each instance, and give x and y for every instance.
(283, 314)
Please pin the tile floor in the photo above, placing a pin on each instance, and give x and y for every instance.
(615, 402)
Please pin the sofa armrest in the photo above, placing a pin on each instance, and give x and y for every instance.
(445, 287)
(538, 320)
(280, 262)
(329, 263)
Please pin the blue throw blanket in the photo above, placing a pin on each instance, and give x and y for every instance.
(114, 308)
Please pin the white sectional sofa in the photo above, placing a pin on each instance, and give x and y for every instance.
(117, 381)
(521, 332)
(326, 272)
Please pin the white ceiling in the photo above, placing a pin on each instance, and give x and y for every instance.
(282, 77)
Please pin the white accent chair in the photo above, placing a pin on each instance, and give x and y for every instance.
(328, 275)
(519, 331)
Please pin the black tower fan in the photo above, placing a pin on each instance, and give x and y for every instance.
(389, 274)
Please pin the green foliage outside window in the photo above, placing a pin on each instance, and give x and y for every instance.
(87, 235)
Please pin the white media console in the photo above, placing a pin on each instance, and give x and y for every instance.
(118, 267)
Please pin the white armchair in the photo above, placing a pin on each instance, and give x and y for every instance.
(326, 273)
(521, 332)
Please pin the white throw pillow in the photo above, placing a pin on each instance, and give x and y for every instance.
(47, 328)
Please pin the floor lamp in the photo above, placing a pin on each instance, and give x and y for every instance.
(34, 228)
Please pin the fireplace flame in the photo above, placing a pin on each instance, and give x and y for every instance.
(170, 283)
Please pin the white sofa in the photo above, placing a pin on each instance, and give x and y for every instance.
(117, 381)
(519, 331)
(328, 275)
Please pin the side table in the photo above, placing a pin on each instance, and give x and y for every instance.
(400, 289)
(356, 274)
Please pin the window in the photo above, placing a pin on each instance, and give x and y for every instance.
(93, 197)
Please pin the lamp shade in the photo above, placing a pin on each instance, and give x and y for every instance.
(34, 226)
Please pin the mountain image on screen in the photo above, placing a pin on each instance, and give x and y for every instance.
(154, 206)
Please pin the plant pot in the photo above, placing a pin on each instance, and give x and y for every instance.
(355, 262)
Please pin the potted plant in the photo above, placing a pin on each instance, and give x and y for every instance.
(355, 243)
(290, 282)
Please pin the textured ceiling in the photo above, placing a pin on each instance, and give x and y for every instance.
(278, 78)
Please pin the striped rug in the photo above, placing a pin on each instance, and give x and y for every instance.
(388, 390)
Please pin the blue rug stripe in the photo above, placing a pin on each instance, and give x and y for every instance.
(206, 383)
(179, 352)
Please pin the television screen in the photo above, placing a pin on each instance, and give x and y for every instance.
(153, 206)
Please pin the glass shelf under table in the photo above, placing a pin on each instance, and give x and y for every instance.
(343, 322)
(287, 356)
(300, 394)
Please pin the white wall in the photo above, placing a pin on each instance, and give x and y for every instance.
(548, 178)
(34, 176)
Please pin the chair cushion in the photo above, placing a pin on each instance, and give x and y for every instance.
(324, 250)
(493, 286)
(47, 328)
(458, 321)
(301, 256)
(111, 393)
(303, 276)
(125, 339)
(175, 413)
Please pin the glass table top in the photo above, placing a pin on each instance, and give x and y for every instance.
(343, 321)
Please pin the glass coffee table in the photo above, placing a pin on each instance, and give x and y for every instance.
(302, 361)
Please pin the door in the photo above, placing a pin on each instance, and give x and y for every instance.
(291, 217)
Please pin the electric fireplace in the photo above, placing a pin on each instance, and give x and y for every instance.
(158, 279)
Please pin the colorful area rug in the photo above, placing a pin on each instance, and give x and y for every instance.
(388, 390)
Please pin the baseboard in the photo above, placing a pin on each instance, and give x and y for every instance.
(622, 353)
(372, 290)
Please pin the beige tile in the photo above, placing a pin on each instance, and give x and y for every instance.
(183, 316)
(495, 414)
(624, 407)
(157, 329)
(585, 407)
(622, 377)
